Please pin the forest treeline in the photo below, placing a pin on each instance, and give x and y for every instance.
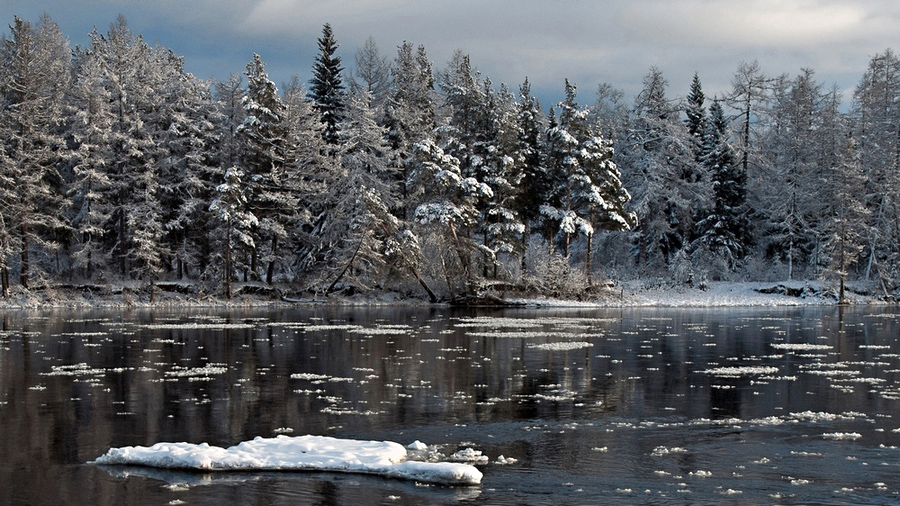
(117, 165)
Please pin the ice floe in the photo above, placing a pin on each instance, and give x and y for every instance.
(800, 346)
(740, 371)
(298, 453)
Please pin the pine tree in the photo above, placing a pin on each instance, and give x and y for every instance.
(133, 76)
(532, 188)
(310, 171)
(409, 112)
(504, 172)
(327, 88)
(473, 136)
(356, 198)
(589, 192)
(447, 199)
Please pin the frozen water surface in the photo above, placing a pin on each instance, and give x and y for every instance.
(543, 406)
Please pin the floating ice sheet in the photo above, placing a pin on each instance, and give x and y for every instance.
(300, 453)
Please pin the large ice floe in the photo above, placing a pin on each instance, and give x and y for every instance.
(297, 453)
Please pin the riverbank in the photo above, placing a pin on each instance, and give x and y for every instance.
(720, 294)
(624, 294)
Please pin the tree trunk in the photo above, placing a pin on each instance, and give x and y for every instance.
(122, 250)
(227, 273)
(346, 267)
(524, 266)
(25, 260)
(463, 258)
(447, 277)
(270, 271)
(421, 281)
(588, 267)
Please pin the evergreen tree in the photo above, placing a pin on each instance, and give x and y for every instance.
(447, 199)
(189, 168)
(725, 230)
(230, 208)
(532, 187)
(409, 112)
(364, 187)
(327, 88)
(657, 160)
(133, 75)
(310, 171)
(589, 191)
(696, 116)
(229, 99)
(263, 136)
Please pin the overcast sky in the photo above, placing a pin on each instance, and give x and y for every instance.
(589, 42)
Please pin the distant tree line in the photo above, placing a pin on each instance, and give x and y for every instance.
(117, 165)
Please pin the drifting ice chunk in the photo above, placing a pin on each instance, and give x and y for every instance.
(417, 446)
(301, 453)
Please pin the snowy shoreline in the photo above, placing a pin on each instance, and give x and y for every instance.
(625, 295)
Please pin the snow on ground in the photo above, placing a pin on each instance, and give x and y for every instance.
(299, 453)
(716, 294)
(638, 293)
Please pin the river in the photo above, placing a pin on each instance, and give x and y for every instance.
(625, 406)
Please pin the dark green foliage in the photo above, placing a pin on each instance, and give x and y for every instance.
(726, 230)
(327, 88)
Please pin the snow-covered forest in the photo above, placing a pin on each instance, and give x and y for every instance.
(388, 173)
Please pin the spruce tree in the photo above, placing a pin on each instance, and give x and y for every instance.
(696, 116)
(327, 89)
(725, 231)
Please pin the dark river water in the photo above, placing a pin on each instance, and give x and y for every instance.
(633, 406)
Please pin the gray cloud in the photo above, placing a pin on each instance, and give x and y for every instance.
(613, 41)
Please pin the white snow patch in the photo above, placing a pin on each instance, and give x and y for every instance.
(300, 453)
